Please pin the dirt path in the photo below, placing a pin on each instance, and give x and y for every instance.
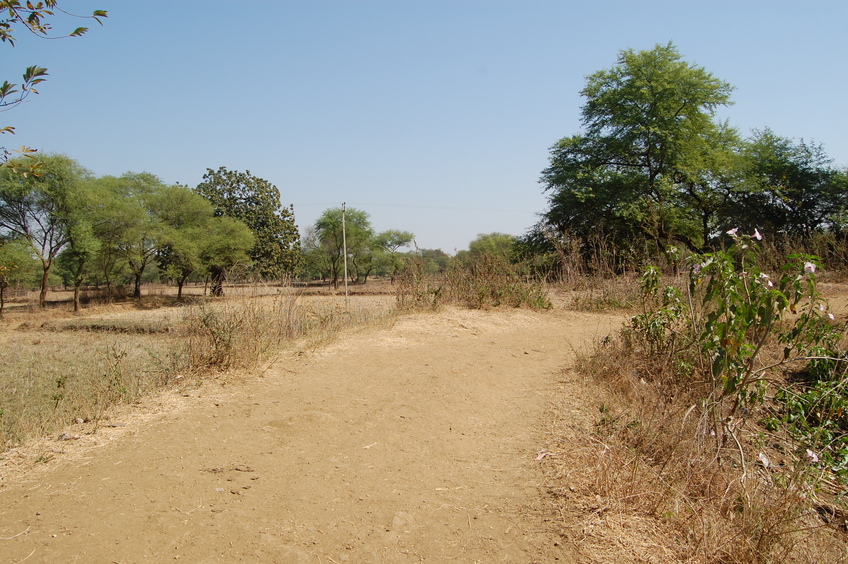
(415, 443)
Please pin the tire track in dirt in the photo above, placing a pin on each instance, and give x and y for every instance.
(415, 443)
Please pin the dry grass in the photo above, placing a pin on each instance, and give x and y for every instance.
(51, 377)
(239, 332)
(602, 294)
(56, 369)
(481, 282)
(647, 481)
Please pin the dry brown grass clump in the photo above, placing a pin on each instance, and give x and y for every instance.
(52, 376)
(603, 294)
(479, 282)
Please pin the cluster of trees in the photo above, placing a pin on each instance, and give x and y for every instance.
(61, 224)
(652, 172)
(500, 245)
(655, 169)
(109, 230)
(368, 252)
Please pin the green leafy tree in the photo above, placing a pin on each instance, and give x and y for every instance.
(498, 244)
(193, 240)
(358, 234)
(316, 264)
(227, 243)
(35, 18)
(790, 188)
(256, 202)
(708, 177)
(185, 216)
(436, 261)
(646, 121)
(388, 243)
(108, 219)
(43, 209)
(77, 257)
(129, 225)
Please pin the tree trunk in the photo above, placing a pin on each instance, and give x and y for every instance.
(219, 276)
(77, 297)
(45, 280)
(137, 286)
(79, 277)
(3, 285)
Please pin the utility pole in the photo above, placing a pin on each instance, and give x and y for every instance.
(344, 251)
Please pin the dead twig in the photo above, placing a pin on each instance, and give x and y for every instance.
(15, 536)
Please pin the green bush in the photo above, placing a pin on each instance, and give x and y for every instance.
(737, 330)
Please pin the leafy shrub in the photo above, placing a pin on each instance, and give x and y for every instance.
(730, 346)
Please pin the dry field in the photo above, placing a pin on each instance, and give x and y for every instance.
(57, 368)
(457, 435)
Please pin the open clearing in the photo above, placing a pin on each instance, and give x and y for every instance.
(413, 443)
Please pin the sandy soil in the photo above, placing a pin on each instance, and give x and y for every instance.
(414, 443)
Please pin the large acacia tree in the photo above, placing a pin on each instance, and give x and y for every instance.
(128, 221)
(256, 202)
(654, 168)
(645, 120)
(193, 240)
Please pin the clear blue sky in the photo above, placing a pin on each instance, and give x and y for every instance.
(433, 116)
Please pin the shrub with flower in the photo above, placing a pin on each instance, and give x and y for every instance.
(736, 313)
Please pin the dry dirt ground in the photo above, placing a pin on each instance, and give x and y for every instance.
(425, 441)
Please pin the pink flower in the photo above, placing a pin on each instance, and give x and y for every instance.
(809, 268)
(757, 235)
(811, 456)
(732, 232)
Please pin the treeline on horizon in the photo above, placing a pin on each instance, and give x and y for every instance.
(654, 176)
(61, 225)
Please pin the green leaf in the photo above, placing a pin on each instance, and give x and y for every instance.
(33, 73)
(7, 89)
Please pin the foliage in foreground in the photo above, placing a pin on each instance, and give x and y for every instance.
(726, 416)
(38, 20)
